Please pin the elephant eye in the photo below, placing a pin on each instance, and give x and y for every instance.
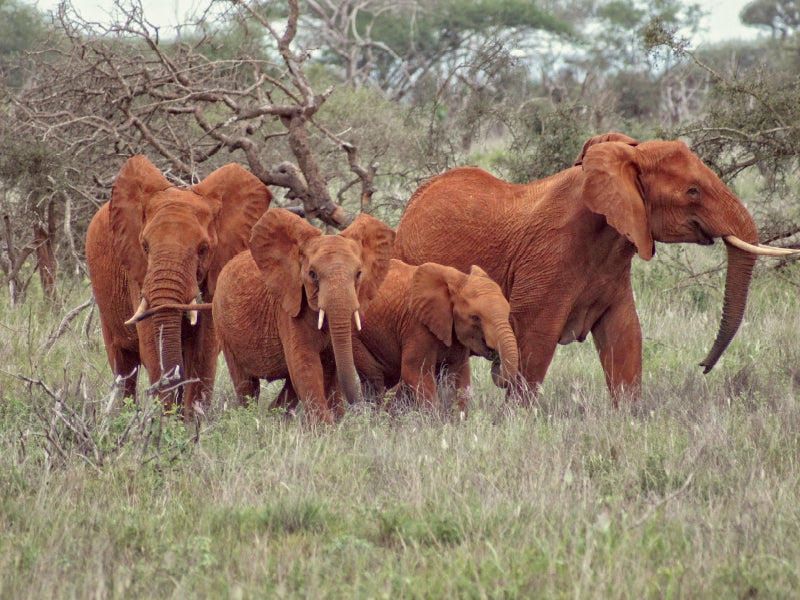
(693, 192)
(313, 275)
(202, 250)
(475, 319)
(145, 247)
(358, 276)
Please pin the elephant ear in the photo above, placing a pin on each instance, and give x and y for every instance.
(600, 139)
(431, 298)
(276, 244)
(137, 181)
(237, 199)
(376, 239)
(475, 270)
(611, 188)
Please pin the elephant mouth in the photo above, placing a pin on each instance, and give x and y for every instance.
(703, 237)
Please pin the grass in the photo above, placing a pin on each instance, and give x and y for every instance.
(691, 493)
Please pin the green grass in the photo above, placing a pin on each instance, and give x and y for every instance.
(691, 493)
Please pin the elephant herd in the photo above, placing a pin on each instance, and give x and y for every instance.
(476, 266)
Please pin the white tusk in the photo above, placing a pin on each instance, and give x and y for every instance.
(139, 312)
(321, 318)
(758, 249)
(193, 314)
(358, 321)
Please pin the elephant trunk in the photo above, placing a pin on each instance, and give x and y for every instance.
(737, 280)
(170, 283)
(340, 327)
(340, 302)
(507, 371)
(737, 283)
(167, 331)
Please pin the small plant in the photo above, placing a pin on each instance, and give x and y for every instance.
(97, 432)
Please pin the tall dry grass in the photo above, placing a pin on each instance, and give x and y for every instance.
(693, 492)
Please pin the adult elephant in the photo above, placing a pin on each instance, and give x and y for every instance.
(153, 244)
(426, 321)
(285, 309)
(561, 248)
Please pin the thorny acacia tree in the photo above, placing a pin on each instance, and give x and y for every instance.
(114, 90)
(97, 94)
(243, 82)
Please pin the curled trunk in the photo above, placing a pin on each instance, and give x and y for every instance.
(507, 371)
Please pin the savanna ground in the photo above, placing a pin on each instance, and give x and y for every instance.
(694, 492)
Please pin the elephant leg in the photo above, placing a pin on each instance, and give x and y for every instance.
(125, 364)
(418, 371)
(286, 399)
(373, 382)
(201, 350)
(463, 393)
(535, 355)
(618, 339)
(246, 386)
(124, 361)
(333, 393)
(537, 332)
(307, 377)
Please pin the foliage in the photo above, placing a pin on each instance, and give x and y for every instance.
(21, 28)
(781, 17)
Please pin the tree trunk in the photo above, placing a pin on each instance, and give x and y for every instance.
(45, 257)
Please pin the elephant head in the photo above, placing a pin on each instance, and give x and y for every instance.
(335, 275)
(174, 241)
(661, 191)
(471, 307)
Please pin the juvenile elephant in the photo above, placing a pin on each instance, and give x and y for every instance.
(285, 309)
(153, 244)
(427, 320)
(561, 247)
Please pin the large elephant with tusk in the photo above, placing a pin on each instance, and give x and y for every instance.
(155, 244)
(286, 308)
(561, 248)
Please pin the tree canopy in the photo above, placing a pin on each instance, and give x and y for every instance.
(347, 106)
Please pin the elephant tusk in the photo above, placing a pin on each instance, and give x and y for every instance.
(139, 312)
(193, 314)
(758, 248)
(321, 318)
(358, 320)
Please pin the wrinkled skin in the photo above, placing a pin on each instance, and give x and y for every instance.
(426, 321)
(268, 301)
(167, 245)
(561, 247)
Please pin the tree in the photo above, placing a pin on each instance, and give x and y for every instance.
(782, 17)
(21, 27)
(98, 93)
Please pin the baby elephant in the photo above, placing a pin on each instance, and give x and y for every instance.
(429, 319)
(285, 309)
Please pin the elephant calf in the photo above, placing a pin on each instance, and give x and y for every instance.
(426, 321)
(285, 309)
